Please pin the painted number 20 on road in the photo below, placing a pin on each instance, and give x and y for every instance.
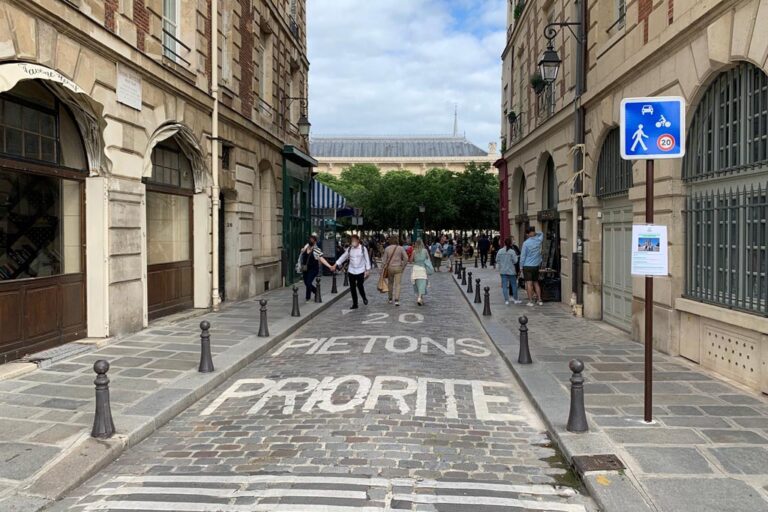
(405, 318)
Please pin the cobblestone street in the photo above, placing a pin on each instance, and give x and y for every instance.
(381, 408)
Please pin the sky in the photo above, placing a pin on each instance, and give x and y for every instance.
(398, 67)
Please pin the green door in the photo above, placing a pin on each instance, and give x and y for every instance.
(297, 177)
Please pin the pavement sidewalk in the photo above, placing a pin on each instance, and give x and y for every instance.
(46, 415)
(705, 451)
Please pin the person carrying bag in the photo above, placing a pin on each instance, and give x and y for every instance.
(383, 285)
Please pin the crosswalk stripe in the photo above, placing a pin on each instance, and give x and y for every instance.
(547, 490)
(249, 479)
(234, 493)
(432, 499)
(218, 507)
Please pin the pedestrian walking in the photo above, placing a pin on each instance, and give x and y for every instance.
(396, 259)
(359, 268)
(309, 265)
(448, 252)
(437, 254)
(518, 278)
(506, 258)
(483, 247)
(422, 268)
(495, 246)
(530, 260)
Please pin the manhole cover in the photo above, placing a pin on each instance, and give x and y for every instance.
(585, 463)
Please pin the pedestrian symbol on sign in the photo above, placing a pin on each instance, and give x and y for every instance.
(638, 138)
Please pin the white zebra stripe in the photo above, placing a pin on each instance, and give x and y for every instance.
(432, 499)
(248, 479)
(218, 507)
(544, 490)
(234, 493)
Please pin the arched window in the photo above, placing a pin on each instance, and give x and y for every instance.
(614, 175)
(726, 168)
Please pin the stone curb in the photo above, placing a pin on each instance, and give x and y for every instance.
(90, 455)
(613, 491)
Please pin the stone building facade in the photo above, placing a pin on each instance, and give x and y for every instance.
(417, 154)
(712, 308)
(107, 112)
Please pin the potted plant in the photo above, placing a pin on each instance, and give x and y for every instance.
(511, 116)
(538, 83)
(519, 9)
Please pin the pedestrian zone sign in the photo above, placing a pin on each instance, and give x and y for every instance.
(652, 128)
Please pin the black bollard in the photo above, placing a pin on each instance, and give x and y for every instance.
(334, 289)
(346, 279)
(206, 361)
(475, 261)
(263, 328)
(103, 426)
(577, 417)
(457, 270)
(524, 356)
(295, 311)
(463, 276)
(318, 297)
(487, 307)
(469, 283)
(478, 299)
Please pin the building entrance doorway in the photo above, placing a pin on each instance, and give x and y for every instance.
(617, 279)
(43, 168)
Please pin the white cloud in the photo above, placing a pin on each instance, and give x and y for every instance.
(399, 66)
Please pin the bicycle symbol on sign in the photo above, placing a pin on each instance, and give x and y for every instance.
(663, 122)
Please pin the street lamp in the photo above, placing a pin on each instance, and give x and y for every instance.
(549, 65)
(303, 123)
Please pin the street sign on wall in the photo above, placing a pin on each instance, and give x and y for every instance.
(652, 128)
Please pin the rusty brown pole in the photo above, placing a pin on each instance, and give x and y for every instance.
(648, 301)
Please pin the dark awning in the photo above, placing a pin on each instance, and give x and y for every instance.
(298, 157)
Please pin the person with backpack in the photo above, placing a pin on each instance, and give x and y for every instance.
(506, 259)
(310, 258)
(359, 268)
(437, 254)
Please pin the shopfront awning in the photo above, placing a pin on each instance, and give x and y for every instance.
(324, 198)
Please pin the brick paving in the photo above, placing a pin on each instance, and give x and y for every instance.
(412, 410)
(708, 446)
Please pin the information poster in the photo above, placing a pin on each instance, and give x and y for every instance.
(649, 250)
(128, 87)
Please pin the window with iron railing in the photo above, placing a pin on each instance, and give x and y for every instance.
(172, 45)
(726, 215)
(545, 103)
(619, 17)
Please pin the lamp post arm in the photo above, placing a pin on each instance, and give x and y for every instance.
(550, 31)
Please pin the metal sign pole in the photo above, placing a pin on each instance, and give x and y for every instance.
(648, 301)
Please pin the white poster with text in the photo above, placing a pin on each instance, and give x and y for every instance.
(649, 250)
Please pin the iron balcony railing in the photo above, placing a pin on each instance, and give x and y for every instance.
(171, 43)
(727, 248)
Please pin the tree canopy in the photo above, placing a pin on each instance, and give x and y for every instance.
(452, 200)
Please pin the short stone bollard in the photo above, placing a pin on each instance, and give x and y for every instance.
(469, 282)
(463, 276)
(577, 417)
(318, 296)
(295, 311)
(206, 361)
(334, 288)
(263, 327)
(487, 306)
(346, 279)
(524, 355)
(475, 261)
(103, 426)
(478, 299)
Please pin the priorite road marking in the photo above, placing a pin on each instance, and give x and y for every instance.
(320, 394)
(393, 344)
(321, 493)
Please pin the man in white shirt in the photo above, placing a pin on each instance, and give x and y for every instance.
(359, 267)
